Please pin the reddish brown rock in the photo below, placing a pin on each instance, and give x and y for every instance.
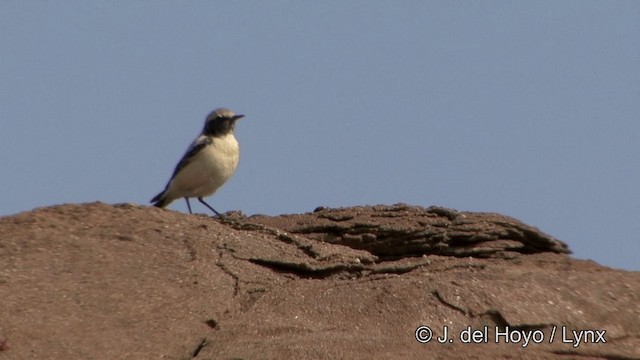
(109, 282)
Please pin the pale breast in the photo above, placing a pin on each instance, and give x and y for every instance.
(209, 170)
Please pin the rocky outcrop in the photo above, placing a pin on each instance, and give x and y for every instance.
(403, 231)
(123, 281)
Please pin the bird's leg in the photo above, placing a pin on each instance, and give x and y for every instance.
(207, 205)
(188, 205)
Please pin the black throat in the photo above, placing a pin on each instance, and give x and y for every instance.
(219, 127)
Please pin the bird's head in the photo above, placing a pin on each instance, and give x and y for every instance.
(220, 122)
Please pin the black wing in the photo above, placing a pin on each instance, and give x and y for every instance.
(188, 156)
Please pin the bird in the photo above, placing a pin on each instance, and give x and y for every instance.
(208, 163)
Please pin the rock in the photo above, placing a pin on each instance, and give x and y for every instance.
(124, 281)
(402, 231)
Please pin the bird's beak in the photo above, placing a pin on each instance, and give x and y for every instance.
(238, 117)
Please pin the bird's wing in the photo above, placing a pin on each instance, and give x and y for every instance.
(191, 152)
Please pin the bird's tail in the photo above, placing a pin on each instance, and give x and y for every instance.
(160, 200)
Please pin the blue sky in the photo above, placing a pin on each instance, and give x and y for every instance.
(530, 109)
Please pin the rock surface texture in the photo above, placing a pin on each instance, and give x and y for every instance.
(98, 281)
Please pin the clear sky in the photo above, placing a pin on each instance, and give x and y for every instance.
(526, 108)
